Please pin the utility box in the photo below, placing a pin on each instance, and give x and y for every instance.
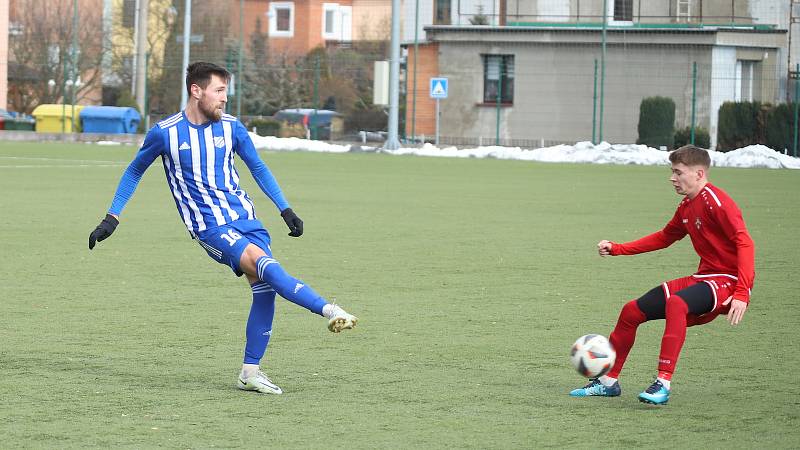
(380, 83)
(53, 118)
(110, 119)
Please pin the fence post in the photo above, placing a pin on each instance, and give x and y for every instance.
(796, 104)
(594, 105)
(499, 94)
(694, 97)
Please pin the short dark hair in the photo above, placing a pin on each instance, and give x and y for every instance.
(691, 155)
(200, 72)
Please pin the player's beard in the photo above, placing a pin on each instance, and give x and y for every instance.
(211, 111)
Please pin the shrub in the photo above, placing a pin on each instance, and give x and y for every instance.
(779, 127)
(366, 120)
(657, 122)
(265, 126)
(738, 125)
(683, 136)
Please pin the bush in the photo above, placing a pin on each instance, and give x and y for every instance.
(657, 122)
(779, 127)
(265, 126)
(738, 125)
(366, 120)
(683, 136)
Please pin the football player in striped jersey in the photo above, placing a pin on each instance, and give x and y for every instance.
(197, 147)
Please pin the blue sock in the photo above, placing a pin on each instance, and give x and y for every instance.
(288, 287)
(259, 324)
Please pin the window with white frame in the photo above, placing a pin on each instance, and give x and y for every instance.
(336, 22)
(745, 88)
(620, 12)
(281, 19)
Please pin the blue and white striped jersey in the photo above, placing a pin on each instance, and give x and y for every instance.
(199, 165)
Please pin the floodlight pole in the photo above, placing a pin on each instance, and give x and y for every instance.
(240, 76)
(187, 34)
(141, 52)
(392, 143)
(603, 68)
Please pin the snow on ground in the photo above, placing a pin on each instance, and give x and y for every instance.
(581, 152)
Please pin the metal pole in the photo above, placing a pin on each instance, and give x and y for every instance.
(437, 123)
(694, 97)
(414, 87)
(141, 52)
(240, 76)
(594, 105)
(603, 67)
(394, 79)
(796, 104)
(312, 124)
(64, 95)
(135, 56)
(499, 94)
(74, 56)
(187, 32)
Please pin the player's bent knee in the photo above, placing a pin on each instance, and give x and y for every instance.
(249, 257)
(632, 313)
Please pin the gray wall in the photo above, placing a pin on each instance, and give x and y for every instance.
(554, 89)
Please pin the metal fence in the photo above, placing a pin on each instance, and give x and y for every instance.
(551, 74)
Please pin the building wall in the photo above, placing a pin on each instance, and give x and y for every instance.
(372, 20)
(307, 28)
(427, 60)
(554, 86)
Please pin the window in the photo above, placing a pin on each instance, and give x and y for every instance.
(329, 17)
(336, 22)
(498, 77)
(746, 83)
(443, 12)
(281, 15)
(623, 10)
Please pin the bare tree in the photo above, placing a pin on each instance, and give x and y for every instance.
(42, 51)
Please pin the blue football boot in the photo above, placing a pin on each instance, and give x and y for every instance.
(596, 388)
(656, 394)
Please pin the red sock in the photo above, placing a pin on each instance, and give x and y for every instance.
(624, 334)
(665, 375)
(674, 336)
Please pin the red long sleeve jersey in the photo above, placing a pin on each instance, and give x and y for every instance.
(714, 223)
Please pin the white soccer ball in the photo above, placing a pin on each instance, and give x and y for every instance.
(592, 355)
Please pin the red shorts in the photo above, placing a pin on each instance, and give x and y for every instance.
(722, 287)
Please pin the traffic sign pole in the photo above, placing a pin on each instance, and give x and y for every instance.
(438, 91)
(437, 122)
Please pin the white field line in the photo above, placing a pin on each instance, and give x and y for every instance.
(68, 163)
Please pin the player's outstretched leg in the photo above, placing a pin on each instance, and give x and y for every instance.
(656, 394)
(294, 290)
(596, 388)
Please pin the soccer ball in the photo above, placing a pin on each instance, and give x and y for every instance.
(592, 355)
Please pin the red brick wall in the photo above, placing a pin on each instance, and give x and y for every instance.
(428, 67)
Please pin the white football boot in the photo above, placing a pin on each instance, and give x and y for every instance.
(341, 320)
(259, 383)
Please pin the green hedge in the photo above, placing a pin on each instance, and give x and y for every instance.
(779, 127)
(738, 125)
(657, 122)
(747, 123)
(683, 136)
(265, 126)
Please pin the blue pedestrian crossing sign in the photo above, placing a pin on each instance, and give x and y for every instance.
(438, 87)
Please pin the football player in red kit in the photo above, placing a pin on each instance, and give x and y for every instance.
(721, 284)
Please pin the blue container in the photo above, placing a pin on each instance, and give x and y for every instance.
(109, 119)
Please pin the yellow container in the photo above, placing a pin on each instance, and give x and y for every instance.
(49, 118)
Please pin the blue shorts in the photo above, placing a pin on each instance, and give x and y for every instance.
(226, 243)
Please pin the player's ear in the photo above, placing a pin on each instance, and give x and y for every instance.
(196, 91)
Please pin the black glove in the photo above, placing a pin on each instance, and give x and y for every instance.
(293, 222)
(104, 230)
